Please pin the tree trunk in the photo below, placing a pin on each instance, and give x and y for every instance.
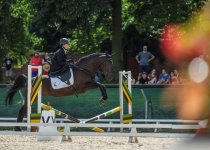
(117, 36)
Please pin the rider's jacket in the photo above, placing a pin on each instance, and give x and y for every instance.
(59, 61)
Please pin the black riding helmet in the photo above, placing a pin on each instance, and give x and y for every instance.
(64, 41)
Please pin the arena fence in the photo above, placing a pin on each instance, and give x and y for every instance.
(112, 127)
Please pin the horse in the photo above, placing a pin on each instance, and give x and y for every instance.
(84, 71)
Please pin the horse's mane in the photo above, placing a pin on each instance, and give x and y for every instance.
(88, 57)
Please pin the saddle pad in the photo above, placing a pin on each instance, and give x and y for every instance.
(58, 83)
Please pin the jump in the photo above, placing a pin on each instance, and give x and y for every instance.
(84, 72)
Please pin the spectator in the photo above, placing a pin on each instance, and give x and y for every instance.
(173, 78)
(143, 58)
(35, 61)
(152, 77)
(164, 77)
(143, 79)
(176, 73)
(139, 77)
(45, 69)
(8, 66)
(46, 61)
(133, 81)
(46, 58)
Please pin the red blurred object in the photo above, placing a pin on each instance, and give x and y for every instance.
(171, 42)
(173, 48)
(200, 47)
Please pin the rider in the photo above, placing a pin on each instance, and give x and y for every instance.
(59, 61)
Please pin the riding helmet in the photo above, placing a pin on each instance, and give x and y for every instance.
(64, 41)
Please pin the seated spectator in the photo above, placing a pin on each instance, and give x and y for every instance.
(152, 77)
(143, 79)
(164, 77)
(139, 77)
(173, 78)
(46, 58)
(46, 61)
(133, 81)
(176, 73)
(45, 70)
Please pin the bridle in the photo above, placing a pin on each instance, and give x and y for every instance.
(103, 65)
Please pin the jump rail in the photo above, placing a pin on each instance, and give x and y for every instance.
(102, 125)
(117, 120)
(84, 125)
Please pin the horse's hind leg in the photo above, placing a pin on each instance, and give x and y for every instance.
(21, 114)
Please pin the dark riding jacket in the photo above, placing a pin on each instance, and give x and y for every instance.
(59, 61)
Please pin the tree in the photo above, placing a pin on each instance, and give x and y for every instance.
(87, 23)
(84, 22)
(117, 36)
(151, 16)
(15, 38)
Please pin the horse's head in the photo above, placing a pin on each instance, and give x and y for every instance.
(106, 66)
(97, 63)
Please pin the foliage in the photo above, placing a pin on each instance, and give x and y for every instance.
(27, 25)
(143, 21)
(15, 37)
(150, 16)
(84, 22)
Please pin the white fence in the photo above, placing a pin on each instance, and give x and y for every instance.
(111, 124)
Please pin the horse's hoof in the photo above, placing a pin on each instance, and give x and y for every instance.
(102, 101)
(17, 129)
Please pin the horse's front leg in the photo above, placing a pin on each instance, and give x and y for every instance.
(103, 93)
(94, 85)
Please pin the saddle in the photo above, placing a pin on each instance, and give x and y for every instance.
(62, 78)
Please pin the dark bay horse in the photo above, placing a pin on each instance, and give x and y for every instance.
(84, 72)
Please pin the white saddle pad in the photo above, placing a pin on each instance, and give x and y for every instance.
(58, 84)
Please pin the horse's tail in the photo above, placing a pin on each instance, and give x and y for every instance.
(19, 83)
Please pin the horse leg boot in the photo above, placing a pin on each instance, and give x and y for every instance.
(103, 93)
(22, 113)
(102, 88)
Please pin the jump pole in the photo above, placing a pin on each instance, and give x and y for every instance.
(35, 91)
(29, 89)
(127, 76)
(69, 117)
(103, 115)
(125, 92)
